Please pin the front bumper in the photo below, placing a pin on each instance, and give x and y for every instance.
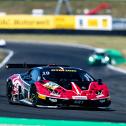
(98, 62)
(82, 103)
(88, 103)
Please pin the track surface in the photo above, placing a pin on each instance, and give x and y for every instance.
(32, 53)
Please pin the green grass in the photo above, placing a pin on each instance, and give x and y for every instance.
(115, 42)
(2, 55)
(26, 6)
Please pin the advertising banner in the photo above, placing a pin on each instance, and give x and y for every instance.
(97, 22)
(26, 22)
(77, 22)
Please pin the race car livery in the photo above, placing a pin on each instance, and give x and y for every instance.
(56, 86)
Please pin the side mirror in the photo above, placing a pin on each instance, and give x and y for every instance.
(99, 81)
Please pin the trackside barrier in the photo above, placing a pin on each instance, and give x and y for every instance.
(64, 32)
(42, 122)
(75, 22)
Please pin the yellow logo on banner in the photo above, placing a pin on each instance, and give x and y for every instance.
(93, 22)
(105, 23)
(64, 22)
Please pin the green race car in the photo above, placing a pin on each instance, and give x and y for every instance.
(99, 57)
(106, 56)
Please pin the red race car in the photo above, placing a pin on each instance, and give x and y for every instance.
(56, 86)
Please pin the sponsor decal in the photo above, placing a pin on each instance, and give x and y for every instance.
(64, 22)
(102, 100)
(46, 73)
(51, 85)
(80, 102)
(57, 70)
(53, 99)
(80, 97)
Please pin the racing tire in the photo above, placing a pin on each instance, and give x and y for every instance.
(9, 94)
(34, 96)
(20, 93)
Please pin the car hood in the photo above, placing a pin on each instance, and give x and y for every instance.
(52, 89)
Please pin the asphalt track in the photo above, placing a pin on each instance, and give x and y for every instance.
(49, 54)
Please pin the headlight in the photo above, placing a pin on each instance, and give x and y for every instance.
(106, 59)
(91, 59)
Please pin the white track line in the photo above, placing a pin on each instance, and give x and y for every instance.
(116, 69)
(7, 58)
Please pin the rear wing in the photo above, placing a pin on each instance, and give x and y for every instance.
(31, 65)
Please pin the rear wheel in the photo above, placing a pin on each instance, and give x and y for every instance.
(12, 97)
(9, 92)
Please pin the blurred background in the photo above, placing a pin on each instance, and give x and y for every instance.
(98, 23)
(114, 7)
(90, 23)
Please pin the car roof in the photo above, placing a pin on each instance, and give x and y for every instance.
(99, 50)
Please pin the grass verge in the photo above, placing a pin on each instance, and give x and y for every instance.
(2, 55)
(115, 42)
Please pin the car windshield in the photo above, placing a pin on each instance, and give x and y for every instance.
(68, 74)
(100, 54)
(63, 77)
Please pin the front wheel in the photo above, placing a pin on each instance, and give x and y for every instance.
(34, 96)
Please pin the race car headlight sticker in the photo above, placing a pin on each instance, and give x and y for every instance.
(41, 96)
